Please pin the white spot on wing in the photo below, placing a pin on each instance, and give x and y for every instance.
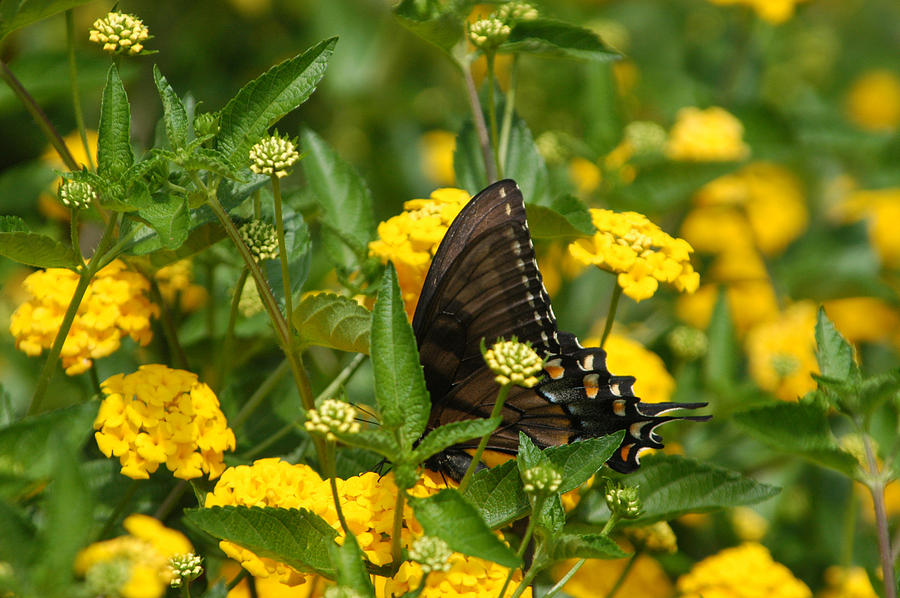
(588, 361)
(614, 389)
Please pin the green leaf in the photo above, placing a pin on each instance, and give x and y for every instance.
(566, 216)
(114, 153)
(350, 563)
(671, 485)
(378, 441)
(578, 461)
(525, 165)
(452, 518)
(174, 113)
(168, 216)
(586, 546)
(528, 455)
(344, 199)
(453, 433)
(556, 38)
(468, 162)
(17, 545)
(723, 356)
(399, 381)
(498, 494)
(296, 537)
(15, 14)
(19, 244)
(269, 97)
(833, 352)
(297, 240)
(24, 443)
(798, 428)
(437, 22)
(330, 320)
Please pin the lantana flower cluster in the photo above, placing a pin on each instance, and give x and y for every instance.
(135, 565)
(120, 33)
(160, 415)
(713, 134)
(411, 238)
(773, 11)
(630, 245)
(113, 306)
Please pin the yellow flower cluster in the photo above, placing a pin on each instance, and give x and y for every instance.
(628, 244)
(847, 582)
(468, 577)
(646, 579)
(176, 286)
(782, 352)
(873, 102)
(160, 415)
(881, 210)
(410, 239)
(628, 356)
(113, 306)
(436, 148)
(745, 570)
(773, 11)
(711, 135)
(137, 564)
(120, 32)
(864, 319)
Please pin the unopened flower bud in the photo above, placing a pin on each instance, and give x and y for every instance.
(657, 537)
(273, 156)
(431, 553)
(184, 568)
(513, 363)
(622, 500)
(261, 239)
(688, 343)
(206, 123)
(541, 480)
(120, 33)
(645, 137)
(488, 34)
(332, 416)
(516, 11)
(78, 195)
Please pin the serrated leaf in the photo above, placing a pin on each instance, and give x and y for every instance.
(114, 153)
(578, 461)
(585, 546)
(210, 160)
(498, 494)
(434, 21)
(175, 114)
(35, 249)
(265, 100)
(566, 216)
(399, 381)
(344, 199)
(15, 14)
(330, 320)
(833, 353)
(468, 162)
(671, 485)
(296, 537)
(453, 433)
(168, 216)
(555, 38)
(452, 518)
(23, 443)
(297, 240)
(798, 428)
(528, 455)
(525, 165)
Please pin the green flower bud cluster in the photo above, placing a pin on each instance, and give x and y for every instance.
(516, 11)
(206, 123)
(488, 34)
(184, 568)
(332, 416)
(120, 32)
(623, 501)
(513, 363)
(541, 480)
(688, 343)
(646, 137)
(261, 239)
(76, 194)
(431, 553)
(273, 156)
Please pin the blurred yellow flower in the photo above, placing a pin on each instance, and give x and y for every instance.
(706, 135)
(630, 245)
(717, 229)
(437, 149)
(749, 525)
(556, 265)
(113, 306)
(585, 174)
(267, 587)
(656, 537)
(881, 209)
(159, 415)
(132, 566)
(773, 11)
(627, 356)
(847, 582)
(745, 570)
(175, 285)
(782, 352)
(750, 303)
(863, 319)
(597, 577)
(410, 239)
(873, 102)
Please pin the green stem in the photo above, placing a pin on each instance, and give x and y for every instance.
(526, 538)
(237, 579)
(282, 250)
(179, 357)
(876, 487)
(508, 110)
(526, 581)
(623, 574)
(171, 499)
(73, 82)
(331, 471)
(610, 524)
(396, 548)
(40, 118)
(257, 204)
(476, 458)
(119, 509)
(565, 579)
(611, 314)
(261, 393)
(75, 236)
(185, 589)
(87, 273)
(480, 126)
(228, 341)
(492, 114)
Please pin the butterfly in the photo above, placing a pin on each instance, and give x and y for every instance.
(484, 283)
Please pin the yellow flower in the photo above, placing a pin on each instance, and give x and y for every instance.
(717, 229)
(873, 102)
(468, 577)
(160, 415)
(113, 306)
(410, 239)
(596, 578)
(749, 525)
(863, 319)
(437, 149)
(773, 11)
(654, 384)
(135, 565)
(782, 352)
(175, 285)
(628, 244)
(367, 501)
(585, 174)
(266, 587)
(556, 265)
(706, 135)
(847, 582)
(745, 570)
(881, 208)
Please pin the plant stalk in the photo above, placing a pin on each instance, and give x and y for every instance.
(480, 125)
(876, 487)
(611, 314)
(476, 458)
(73, 81)
(508, 110)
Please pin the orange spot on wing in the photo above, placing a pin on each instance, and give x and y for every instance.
(590, 385)
(624, 451)
(554, 371)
